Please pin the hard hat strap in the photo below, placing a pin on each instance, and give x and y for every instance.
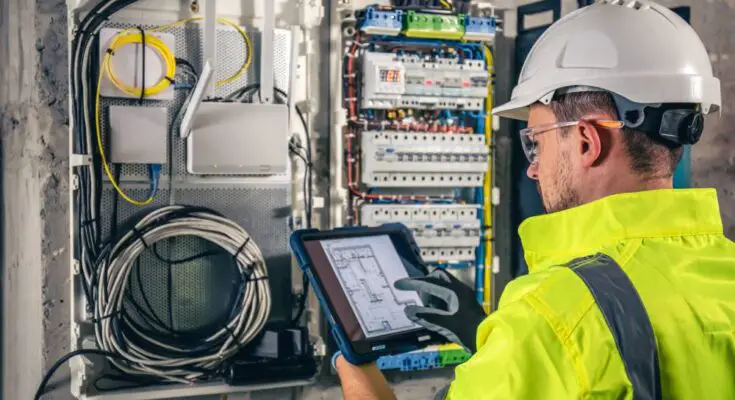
(672, 124)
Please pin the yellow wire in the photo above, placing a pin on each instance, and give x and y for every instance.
(101, 148)
(487, 189)
(238, 28)
(128, 37)
(445, 4)
(164, 51)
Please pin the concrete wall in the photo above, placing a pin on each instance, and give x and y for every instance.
(34, 126)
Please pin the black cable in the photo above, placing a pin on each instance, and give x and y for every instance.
(181, 61)
(117, 171)
(309, 159)
(309, 197)
(46, 378)
(169, 283)
(142, 73)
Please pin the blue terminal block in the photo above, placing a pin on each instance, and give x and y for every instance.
(382, 22)
(480, 29)
(386, 363)
(420, 361)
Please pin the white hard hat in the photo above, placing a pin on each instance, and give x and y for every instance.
(638, 49)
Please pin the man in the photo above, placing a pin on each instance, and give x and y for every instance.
(631, 290)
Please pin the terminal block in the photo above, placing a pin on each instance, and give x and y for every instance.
(433, 26)
(432, 357)
(480, 29)
(382, 22)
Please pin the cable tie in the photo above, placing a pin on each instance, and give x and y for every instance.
(141, 238)
(110, 51)
(114, 314)
(170, 79)
(237, 253)
(234, 338)
(142, 61)
(88, 222)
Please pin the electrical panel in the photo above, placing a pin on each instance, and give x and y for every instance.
(191, 136)
(417, 91)
(193, 160)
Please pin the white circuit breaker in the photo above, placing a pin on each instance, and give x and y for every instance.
(419, 82)
(444, 232)
(410, 159)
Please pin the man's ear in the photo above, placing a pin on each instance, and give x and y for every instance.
(591, 144)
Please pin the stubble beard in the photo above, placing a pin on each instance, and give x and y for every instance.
(562, 195)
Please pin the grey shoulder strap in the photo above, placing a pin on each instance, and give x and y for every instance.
(627, 319)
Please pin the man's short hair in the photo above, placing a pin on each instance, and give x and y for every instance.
(648, 157)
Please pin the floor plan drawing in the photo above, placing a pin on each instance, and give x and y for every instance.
(376, 303)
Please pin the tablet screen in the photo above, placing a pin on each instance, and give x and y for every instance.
(358, 274)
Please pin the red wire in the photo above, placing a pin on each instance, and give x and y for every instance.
(351, 134)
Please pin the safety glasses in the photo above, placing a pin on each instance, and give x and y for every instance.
(530, 144)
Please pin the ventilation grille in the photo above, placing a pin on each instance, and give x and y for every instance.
(634, 4)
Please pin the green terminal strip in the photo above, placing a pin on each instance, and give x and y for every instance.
(433, 26)
(453, 357)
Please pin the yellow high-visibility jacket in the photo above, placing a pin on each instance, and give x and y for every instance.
(549, 339)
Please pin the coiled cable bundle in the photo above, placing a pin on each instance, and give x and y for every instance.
(144, 353)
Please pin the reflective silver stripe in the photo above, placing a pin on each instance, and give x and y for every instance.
(627, 319)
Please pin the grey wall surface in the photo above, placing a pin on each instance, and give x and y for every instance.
(34, 148)
(34, 126)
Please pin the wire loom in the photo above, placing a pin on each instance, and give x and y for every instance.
(166, 356)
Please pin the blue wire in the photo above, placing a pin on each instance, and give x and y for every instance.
(154, 172)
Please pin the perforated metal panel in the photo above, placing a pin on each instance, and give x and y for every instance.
(230, 57)
(198, 292)
(191, 295)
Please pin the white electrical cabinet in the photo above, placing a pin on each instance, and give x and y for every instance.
(234, 175)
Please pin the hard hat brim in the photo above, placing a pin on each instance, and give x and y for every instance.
(515, 109)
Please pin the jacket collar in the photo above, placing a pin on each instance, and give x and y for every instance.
(554, 239)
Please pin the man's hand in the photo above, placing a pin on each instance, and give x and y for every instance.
(451, 307)
(361, 382)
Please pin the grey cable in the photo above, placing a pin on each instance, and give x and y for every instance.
(239, 331)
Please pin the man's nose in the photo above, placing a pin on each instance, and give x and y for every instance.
(532, 171)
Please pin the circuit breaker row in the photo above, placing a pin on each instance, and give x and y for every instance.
(445, 232)
(400, 159)
(423, 82)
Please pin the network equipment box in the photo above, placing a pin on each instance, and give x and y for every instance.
(239, 139)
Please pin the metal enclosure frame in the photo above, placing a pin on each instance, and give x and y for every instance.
(303, 21)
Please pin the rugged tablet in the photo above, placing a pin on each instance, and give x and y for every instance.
(353, 271)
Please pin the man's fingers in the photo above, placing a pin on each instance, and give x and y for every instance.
(416, 313)
(430, 288)
(433, 320)
(427, 285)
